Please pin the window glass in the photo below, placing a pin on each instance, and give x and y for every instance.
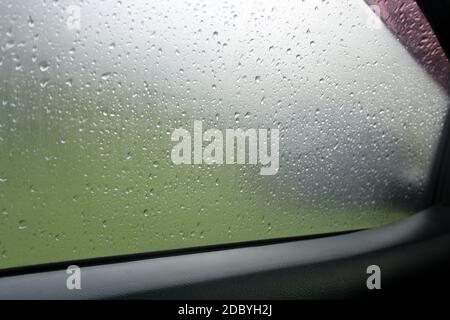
(92, 94)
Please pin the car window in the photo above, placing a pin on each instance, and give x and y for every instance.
(137, 126)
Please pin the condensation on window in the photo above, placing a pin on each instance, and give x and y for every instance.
(92, 90)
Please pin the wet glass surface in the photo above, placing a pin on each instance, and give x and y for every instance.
(91, 93)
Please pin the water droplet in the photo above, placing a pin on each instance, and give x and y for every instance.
(236, 117)
(22, 224)
(43, 83)
(30, 22)
(106, 76)
(44, 65)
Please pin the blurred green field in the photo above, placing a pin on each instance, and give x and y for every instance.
(75, 186)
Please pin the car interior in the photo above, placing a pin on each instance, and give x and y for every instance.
(224, 150)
